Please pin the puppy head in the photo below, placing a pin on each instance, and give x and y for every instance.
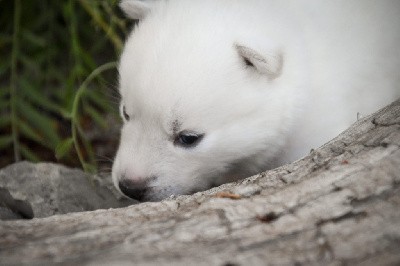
(202, 105)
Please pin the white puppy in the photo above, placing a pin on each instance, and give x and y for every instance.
(217, 90)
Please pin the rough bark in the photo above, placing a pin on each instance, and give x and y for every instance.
(339, 205)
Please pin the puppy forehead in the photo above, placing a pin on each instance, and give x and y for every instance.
(153, 115)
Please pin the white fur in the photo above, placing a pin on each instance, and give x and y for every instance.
(316, 64)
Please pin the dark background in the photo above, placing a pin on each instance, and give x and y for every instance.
(48, 50)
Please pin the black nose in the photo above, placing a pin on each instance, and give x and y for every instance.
(132, 189)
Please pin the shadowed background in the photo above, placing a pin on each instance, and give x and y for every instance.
(58, 82)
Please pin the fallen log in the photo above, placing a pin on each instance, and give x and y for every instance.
(338, 205)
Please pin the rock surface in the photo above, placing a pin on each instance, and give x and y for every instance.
(340, 205)
(30, 190)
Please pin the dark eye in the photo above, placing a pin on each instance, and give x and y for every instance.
(188, 139)
(126, 116)
(248, 62)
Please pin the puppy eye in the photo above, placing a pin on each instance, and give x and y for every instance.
(126, 116)
(188, 139)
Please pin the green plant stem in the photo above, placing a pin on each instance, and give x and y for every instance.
(14, 78)
(75, 43)
(75, 106)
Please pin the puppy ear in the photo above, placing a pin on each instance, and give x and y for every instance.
(137, 9)
(270, 64)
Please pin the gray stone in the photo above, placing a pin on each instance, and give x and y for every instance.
(39, 190)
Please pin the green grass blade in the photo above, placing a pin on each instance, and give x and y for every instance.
(96, 116)
(15, 53)
(63, 148)
(96, 15)
(33, 39)
(30, 92)
(31, 63)
(40, 121)
(5, 141)
(5, 121)
(99, 100)
(89, 168)
(28, 154)
(28, 132)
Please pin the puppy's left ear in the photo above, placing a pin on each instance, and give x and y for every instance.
(137, 9)
(269, 64)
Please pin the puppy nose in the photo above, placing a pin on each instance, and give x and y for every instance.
(133, 189)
